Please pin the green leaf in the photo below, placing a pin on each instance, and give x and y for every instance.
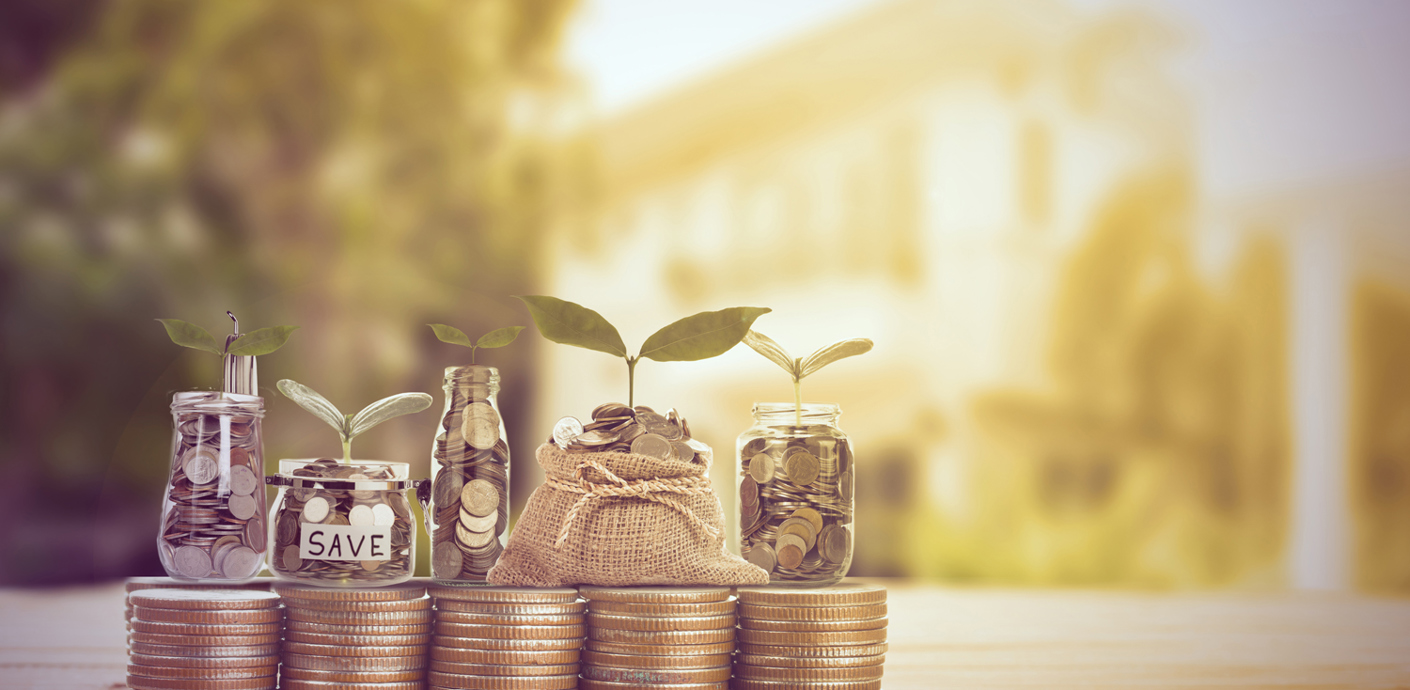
(832, 353)
(262, 341)
(450, 334)
(499, 337)
(766, 346)
(190, 335)
(310, 400)
(573, 324)
(701, 336)
(387, 408)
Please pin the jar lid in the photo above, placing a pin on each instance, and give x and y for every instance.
(357, 475)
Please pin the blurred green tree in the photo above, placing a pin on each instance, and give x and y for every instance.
(357, 168)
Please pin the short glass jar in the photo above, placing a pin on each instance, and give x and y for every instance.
(340, 524)
(469, 516)
(796, 504)
(213, 509)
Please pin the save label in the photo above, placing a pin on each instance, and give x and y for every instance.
(345, 542)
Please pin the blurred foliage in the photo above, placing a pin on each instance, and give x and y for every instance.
(356, 168)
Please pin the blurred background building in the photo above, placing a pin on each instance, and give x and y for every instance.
(1137, 273)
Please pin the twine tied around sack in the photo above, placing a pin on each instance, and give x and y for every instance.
(656, 490)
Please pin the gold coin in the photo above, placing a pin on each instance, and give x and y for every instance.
(504, 595)
(436, 679)
(657, 676)
(849, 673)
(422, 604)
(291, 673)
(480, 497)
(812, 613)
(506, 644)
(655, 595)
(604, 620)
(624, 608)
(813, 517)
(589, 684)
(292, 684)
(207, 663)
(510, 632)
(745, 684)
(474, 540)
(197, 629)
(846, 594)
(748, 490)
(508, 619)
(650, 649)
(653, 445)
(801, 467)
(504, 670)
(814, 651)
(802, 529)
(511, 609)
(264, 671)
(355, 617)
(354, 663)
(834, 543)
(595, 658)
(809, 662)
(373, 640)
(205, 640)
(480, 426)
(204, 599)
(347, 650)
(812, 626)
(504, 657)
(355, 629)
(786, 638)
(657, 637)
(761, 468)
(309, 593)
(176, 650)
(790, 549)
(145, 683)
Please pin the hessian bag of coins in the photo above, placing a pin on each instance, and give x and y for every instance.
(618, 519)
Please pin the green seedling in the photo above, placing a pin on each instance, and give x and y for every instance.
(799, 367)
(351, 426)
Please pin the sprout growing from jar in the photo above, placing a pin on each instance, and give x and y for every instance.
(799, 367)
(350, 426)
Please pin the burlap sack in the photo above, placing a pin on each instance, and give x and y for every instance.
(620, 519)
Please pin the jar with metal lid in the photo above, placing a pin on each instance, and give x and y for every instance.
(213, 510)
(469, 516)
(338, 524)
(795, 494)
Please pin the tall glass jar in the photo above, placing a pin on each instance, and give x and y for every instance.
(469, 513)
(213, 511)
(338, 524)
(795, 494)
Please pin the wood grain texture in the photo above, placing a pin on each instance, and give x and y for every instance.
(940, 638)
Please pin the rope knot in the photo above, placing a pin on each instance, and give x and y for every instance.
(661, 491)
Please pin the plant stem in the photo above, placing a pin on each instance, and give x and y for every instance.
(798, 402)
(472, 355)
(631, 381)
(347, 451)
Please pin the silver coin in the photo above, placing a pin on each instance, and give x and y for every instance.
(243, 480)
(240, 563)
(360, 515)
(383, 515)
(653, 445)
(243, 507)
(567, 429)
(200, 465)
(192, 561)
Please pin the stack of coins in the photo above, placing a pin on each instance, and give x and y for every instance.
(137, 584)
(213, 525)
(616, 428)
(183, 639)
(470, 492)
(829, 638)
(315, 504)
(506, 638)
(355, 638)
(672, 637)
(795, 507)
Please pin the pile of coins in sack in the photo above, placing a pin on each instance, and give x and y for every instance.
(355, 638)
(506, 638)
(188, 638)
(616, 428)
(470, 490)
(658, 636)
(795, 505)
(804, 639)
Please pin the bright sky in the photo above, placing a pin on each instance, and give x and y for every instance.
(1283, 90)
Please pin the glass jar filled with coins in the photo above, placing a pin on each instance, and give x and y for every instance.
(213, 511)
(795, 494)
(337, 524)
(469, 514)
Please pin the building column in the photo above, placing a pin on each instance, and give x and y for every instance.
(1320, 540)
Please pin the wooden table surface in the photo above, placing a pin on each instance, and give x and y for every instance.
(940, 638)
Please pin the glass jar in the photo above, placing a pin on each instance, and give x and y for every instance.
(342, 525)
(795, 494)
(213, 511)
(469, 513)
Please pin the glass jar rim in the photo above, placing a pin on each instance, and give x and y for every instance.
(399, 470)
(810, 410)
(217, 402)
(472, 373)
